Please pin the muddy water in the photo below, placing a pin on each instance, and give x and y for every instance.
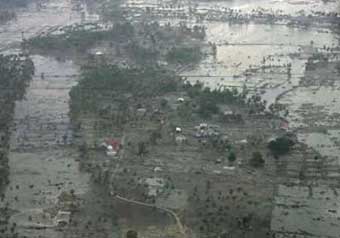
(43, 164)
(242, 51)
(41, 161)
(293, 7)
(299, 210)
(38, 19)
(241, 48)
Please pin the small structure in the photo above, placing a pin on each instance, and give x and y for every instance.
(217, 171)
(62, 218)
(180, 100)
(97, 55)
(157, 169)
(203, 126)
(218, 161)
(230, 115)
(110, 151)
(112, 146)
(155, 185)
(141, 112)
(204, 131)
(229, 167)
(178, 130)
(271, 139)
(284, 125)
(242, 142)
(227, 113)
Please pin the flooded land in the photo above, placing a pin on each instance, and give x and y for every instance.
(188, 119)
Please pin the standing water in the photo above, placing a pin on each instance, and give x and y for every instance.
(42, 163)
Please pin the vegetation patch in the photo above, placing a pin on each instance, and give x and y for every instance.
(112, 81)
(208, 100)
(184, 55)
(281, 145)
(257, 159)
(15, 74)
(80, 37)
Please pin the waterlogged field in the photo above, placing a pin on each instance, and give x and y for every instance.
(257, 55)
(267, 56)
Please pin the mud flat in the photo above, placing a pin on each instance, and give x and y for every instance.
(16, 74)
(33, 20)
(257, 55)
(285, 7)
(312, 202)
(302, 211)
(165, 165)
(43, 165)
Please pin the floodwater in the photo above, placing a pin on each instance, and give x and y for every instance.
(257, 55)
(282, 6)
(43, 164)
(312, 208)
(307, 211)
(36, 19)
(293, 7)
(244, 50)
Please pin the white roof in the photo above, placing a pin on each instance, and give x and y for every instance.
(157, 169)
(228, 112)
(229, 167)
(204, 125)
(157, 182)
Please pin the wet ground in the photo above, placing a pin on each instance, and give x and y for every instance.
(282, 6)
(43, 161)
(36, 19)
(42, 164)
(257, 55)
